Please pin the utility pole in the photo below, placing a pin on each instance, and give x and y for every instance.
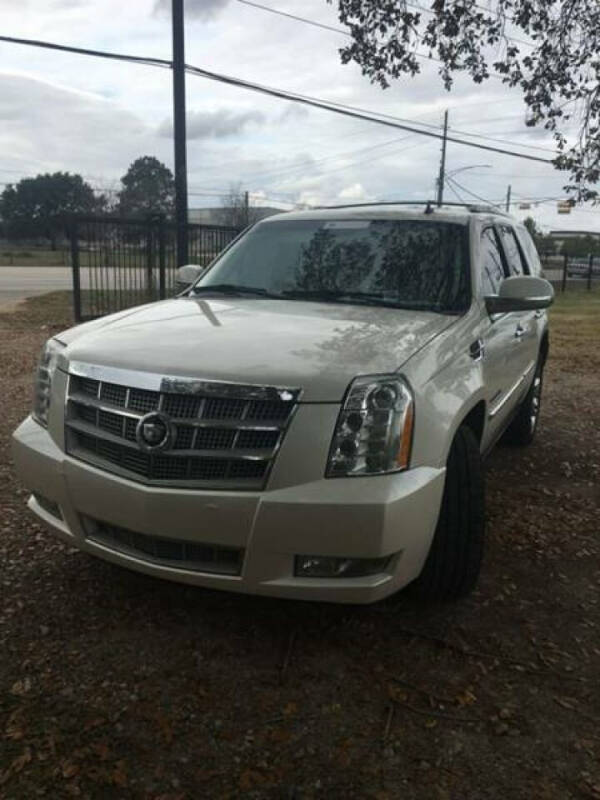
(508, 191)
(442, 175)
(247, 208)
(179, 134)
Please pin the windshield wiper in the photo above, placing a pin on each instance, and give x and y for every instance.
(341, 296)
(326, 295)
(233, 289)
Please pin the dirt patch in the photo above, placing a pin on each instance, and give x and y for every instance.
(116, 685)
(8, 306)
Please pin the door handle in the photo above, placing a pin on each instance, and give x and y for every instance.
(477, 350)
(519, 331)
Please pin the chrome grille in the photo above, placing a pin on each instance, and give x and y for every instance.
(223, 436)
(143, 401)
(174, 553)
(182, 406)
(114, 395)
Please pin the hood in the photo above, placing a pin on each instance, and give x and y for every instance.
(316, 347)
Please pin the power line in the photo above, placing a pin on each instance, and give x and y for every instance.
(307, 163)
(481, 8)
(344, 32)
(468, 191)
(451, 187)
(306, 21)
(503, 141)
(314, 102)
(85, 51)
(373, 158)
(339, 108)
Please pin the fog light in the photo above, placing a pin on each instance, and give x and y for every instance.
(336, 567)
(48, 505)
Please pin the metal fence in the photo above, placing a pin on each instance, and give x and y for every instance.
(118, 263)
(573, 272)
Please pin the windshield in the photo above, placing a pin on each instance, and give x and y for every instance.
(405, 263)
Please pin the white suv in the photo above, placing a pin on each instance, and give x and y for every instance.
(307, 420)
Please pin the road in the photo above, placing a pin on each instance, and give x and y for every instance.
(17, 283)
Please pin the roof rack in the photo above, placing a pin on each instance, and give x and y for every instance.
(431, 206)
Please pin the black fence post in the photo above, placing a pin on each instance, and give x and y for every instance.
(74, 234)
(162, 265)
(589, 274)
(150, 258)
(564, 274)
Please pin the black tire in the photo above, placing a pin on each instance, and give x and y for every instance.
(521, 430)
(454, 561)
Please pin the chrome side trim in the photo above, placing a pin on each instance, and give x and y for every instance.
(494, 411)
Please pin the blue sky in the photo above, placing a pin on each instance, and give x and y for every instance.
(92, 116)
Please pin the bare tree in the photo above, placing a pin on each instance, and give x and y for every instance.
(236, 211)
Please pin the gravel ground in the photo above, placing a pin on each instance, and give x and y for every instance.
(116, 685)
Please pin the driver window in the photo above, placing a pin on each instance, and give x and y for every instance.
(492, 269)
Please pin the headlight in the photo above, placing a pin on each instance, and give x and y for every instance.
(373, 434)
(43, 380)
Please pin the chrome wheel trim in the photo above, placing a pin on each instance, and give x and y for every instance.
(536, 398)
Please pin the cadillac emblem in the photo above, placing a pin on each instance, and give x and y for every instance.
(153, 432)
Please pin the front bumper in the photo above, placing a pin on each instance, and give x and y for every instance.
(366, 517)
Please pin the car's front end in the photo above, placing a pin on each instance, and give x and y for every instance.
(233, 486)
(261, 436)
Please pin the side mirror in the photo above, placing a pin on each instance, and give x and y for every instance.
(187, 275)
(520, 293)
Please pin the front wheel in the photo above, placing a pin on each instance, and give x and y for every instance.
(454, 560)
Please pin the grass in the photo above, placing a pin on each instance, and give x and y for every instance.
(56, 308)
(574, 325)
(584, 304)
(34, 258)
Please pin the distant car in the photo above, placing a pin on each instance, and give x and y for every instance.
(579, 267)
(308, 419)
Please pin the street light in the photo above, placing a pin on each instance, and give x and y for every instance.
(471, 166)
(445, 176)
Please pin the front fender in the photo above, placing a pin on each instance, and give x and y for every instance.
(448, 385)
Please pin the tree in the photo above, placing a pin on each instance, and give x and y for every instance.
(236, 211)
(532, 227)
(558, 73)
(148, 188)
(546, 245)
(580, 246)
(40, 206)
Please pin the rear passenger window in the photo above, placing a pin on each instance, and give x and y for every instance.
(529, 248)
(512, 251)
(492, 270)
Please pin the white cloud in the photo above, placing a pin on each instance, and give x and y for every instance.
(214, 124)
(47, 127)
(56, 115)
(203, 9)
(354, 192)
